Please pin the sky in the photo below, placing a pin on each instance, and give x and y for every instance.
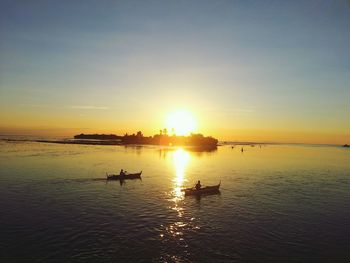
(247, 70)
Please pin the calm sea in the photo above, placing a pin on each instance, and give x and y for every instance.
(278, 203)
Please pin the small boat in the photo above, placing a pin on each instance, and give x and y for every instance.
(204, 190)
(124, 176)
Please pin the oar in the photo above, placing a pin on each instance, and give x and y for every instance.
(184, 189)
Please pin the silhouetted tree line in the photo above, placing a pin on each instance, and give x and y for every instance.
(159, 139)
(97, 136)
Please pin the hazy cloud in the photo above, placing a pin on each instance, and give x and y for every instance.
(84, 107)
(34, 105)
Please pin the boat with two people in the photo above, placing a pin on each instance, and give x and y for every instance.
(124, 175)
(199, 190)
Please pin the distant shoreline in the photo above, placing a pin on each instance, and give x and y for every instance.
(118, 142)
(163, 138)
(68, 141)
(194, 141)
(114, 143)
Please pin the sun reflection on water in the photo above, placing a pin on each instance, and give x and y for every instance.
(181, 159)
(181, 221)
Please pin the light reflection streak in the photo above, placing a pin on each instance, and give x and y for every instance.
(181, 159)
(174, 233)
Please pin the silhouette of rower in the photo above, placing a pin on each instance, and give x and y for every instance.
(198, 185)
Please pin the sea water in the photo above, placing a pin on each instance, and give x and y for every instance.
(277, 203)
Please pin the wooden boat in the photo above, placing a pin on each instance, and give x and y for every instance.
(204, 190)
(124, 176)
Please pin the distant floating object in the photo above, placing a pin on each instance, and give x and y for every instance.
(346, 145)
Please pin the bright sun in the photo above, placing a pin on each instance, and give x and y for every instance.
(180, 122)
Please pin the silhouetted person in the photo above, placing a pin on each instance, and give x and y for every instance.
(122, 172)
(242, 149)
(198, 185)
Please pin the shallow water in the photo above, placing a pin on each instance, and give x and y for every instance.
(278, 203)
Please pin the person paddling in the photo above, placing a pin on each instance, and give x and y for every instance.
(198, 185)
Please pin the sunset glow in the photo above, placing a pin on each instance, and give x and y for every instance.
(174, 131)
(181, 122)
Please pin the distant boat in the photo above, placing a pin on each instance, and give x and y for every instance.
(346, 145)
(124, 176)
(205, 190)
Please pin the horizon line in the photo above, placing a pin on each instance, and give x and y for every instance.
(228, 142)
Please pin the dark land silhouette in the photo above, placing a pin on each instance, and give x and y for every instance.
(197, 140)
(98, 136)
